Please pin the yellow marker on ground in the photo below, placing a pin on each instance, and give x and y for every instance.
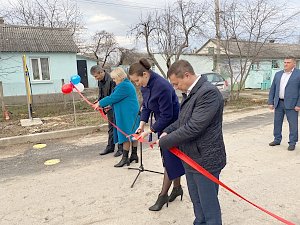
(39, 146)
(51, 162)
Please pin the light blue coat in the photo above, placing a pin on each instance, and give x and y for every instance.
(125, 105)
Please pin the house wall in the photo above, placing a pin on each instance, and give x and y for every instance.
(201, 64)
(61, 66)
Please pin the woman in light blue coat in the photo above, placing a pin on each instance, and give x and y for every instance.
(125, 105)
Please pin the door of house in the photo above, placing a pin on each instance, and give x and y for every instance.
(82, 72)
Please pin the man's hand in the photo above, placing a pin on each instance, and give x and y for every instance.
(106, 109)
(297, 108)
(162, 135)
(271, 107)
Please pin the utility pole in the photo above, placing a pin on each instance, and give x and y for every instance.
(218, 36)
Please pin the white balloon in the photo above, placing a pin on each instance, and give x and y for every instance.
(79, 86)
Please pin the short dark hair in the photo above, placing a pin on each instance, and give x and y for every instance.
(96, 69)
(139, 67)
(291, 57)
(179, 68)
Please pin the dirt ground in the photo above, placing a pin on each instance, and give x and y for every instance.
(13, 127)
(98, 193)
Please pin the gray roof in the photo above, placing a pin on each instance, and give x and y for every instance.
(268, 51)
(36, 39)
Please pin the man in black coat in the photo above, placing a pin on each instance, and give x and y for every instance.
(198, 133)
(106, 86)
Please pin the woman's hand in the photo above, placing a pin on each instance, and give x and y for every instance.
(95, 106)
(140, 128)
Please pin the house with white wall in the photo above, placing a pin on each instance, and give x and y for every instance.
(269, 61)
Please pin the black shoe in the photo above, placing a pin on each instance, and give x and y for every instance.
(291, 148)
(162, 199)
(118, 153)
(106, 151)
(273, 143)
(134, 156)
(177, 191)
(124, 160)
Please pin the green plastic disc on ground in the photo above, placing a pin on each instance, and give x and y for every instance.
(51, 162)
(39, 146)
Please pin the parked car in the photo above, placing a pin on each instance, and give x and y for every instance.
(222, 84)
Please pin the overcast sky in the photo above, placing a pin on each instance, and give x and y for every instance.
(117, 16)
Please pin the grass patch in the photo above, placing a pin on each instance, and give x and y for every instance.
(244, 102)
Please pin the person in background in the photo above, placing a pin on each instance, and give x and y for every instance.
(198, 133)
(284, 97)
(124, 103)
(106, 86)
(160, 99)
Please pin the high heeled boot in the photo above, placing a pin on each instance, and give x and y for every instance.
(124, 160)
(134, 156)
(161, 200)
(176, 192)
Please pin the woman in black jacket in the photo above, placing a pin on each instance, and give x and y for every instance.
(159, 98)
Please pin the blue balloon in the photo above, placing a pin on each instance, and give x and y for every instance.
(75, 79)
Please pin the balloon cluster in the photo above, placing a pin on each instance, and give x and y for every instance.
(75, 82)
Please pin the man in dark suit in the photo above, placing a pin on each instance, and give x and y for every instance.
(106, 86)
(284, 97)
(198, 133)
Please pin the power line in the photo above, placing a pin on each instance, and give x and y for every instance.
(135, 6)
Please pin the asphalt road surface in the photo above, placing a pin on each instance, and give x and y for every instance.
(32, 160)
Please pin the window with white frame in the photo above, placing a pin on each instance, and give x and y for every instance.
(40, 69)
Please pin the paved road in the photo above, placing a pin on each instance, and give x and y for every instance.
(67, 150)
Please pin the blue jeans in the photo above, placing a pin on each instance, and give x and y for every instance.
(204, 195)
(292, 117)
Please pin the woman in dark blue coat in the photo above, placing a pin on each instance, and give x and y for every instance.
(125, 105)
(159, 98)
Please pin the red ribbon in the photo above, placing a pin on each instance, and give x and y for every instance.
(190, 162)
(203, 171)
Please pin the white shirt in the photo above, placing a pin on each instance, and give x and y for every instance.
(283, 82)
(193, 85)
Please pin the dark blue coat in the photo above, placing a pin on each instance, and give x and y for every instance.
(160, 98)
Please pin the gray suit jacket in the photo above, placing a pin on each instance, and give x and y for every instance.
(292, 90)
(198, 129)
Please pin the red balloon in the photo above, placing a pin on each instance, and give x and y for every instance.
(67, 88)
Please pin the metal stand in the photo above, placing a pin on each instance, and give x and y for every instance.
(141, 168)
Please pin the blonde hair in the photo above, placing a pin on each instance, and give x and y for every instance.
(118, 72)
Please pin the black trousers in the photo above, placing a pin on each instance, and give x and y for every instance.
(110, 141)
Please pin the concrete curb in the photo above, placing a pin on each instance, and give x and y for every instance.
(39, 137)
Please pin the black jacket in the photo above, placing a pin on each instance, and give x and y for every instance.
(106, 86)
(198, 130)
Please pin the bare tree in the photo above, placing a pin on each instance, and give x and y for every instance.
(103, 45)
(45, 13)
(169, 31)
(246, 29)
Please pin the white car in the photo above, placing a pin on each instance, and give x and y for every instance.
(222, 84)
